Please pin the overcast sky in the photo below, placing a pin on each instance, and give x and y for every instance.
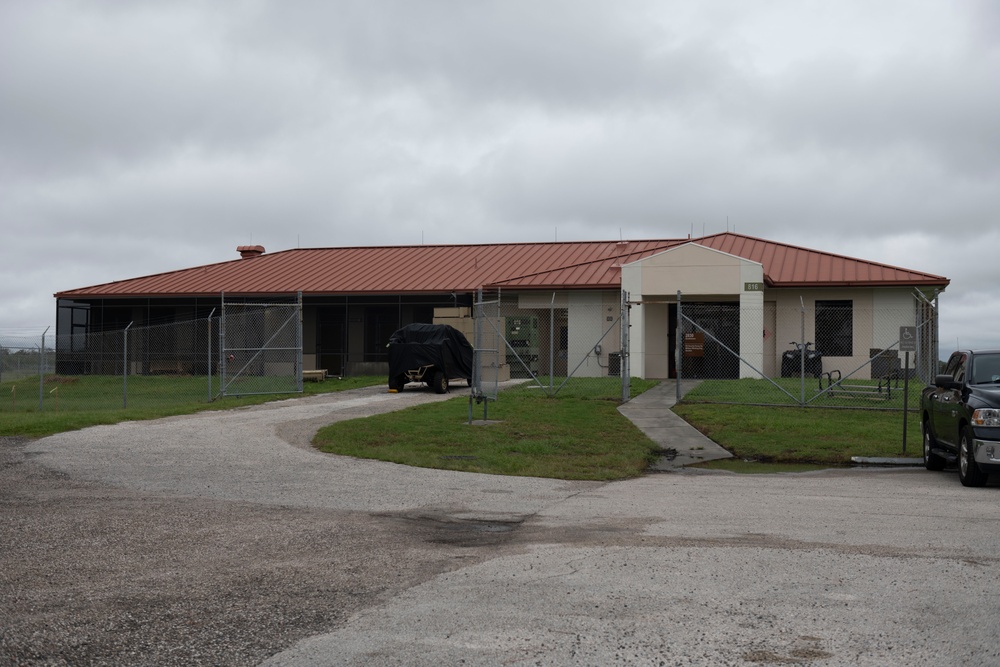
(145, 136)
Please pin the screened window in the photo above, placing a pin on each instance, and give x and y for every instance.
(835, 328)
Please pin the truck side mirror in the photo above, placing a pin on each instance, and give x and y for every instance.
(946, 382)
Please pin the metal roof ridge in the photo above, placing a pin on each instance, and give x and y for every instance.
(414, 246)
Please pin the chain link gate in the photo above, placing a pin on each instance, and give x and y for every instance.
(487, 360)
(825, 372)
(548, 339)
(260, 345)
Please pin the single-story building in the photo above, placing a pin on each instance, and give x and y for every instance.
(750, 295)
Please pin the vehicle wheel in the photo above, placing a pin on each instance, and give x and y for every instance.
(968, 470)
(400, 382)
(931, 460)
(468, 381)
(440, 383)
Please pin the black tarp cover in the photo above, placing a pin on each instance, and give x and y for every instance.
(440, 345)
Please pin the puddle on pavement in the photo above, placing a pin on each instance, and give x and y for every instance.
(463, 531)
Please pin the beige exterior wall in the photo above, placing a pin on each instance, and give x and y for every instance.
(694, 270)
(893, 308)
(789, 324)
(877, 313)
(547, 299)
(769, 319)
(587, 314)
(700, 274)
(585, 328)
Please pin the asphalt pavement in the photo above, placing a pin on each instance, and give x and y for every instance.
(843, 567)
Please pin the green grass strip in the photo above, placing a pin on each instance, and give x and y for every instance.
(74, 402)
(804, 435)
(529, 435)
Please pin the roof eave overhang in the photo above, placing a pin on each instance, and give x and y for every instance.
(858, 283)
(553, 287)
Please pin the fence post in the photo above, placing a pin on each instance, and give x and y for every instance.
(936, 332)
(125, 365)
(41, 370)
(208, 358)
(477, 350)
(552, 341)
(298, 343)
(678, 346)
(802, 353)
(222, 346)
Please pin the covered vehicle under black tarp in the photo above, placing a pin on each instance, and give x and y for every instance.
(431, 353)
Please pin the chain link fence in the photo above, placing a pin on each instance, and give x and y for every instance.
(249, 348)
(24, 362)
(835, 353)
(261, 344)
(25, 356)
(550, 343)
(132, 368)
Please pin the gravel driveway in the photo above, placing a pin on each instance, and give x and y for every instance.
(223, 539)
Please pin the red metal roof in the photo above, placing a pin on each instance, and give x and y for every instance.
(792, 266)
(465, 268)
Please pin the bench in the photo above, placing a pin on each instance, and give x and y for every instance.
(835, 386)
(166, 367)
(314, 376)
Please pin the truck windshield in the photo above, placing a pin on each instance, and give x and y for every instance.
(986, 369)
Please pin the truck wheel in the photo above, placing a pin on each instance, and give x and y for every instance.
(440, 383)
(968, 470)
(931, 460)
(400, 382)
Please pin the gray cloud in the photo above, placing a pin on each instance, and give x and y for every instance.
(144, 136)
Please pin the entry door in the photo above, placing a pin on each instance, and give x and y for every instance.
(720, 325)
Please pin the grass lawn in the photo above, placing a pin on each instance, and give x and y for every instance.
(804, 435)
(566, 437)
(788, 391)
(74, 402)
(578, 434)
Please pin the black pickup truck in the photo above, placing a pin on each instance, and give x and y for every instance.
(960, 415)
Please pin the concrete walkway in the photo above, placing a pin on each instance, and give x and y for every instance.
(651, 412)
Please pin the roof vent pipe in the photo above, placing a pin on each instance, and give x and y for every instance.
(247, 251)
